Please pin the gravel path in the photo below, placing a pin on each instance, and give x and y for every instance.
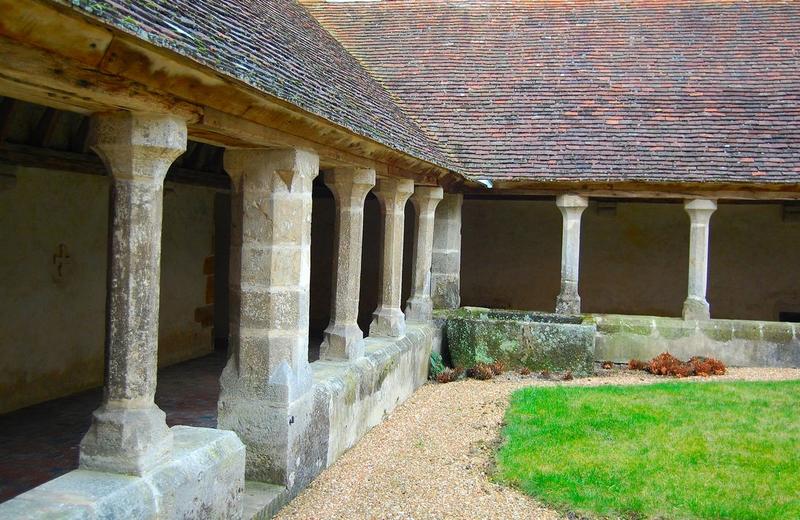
(432, 456)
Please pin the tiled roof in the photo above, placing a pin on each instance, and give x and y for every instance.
(552, 90)
(277, 47)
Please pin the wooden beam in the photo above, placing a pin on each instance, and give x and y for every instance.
(48, 159)
(45, 128)
(79, 142)
(6, 111)
(651, 192)
(41, 77)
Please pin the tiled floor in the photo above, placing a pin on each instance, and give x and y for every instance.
(40, 442)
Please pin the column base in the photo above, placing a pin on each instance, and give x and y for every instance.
(124, 439)
(696, 309)
(283, 441)
(342, 342)
(419, 309)
(568, 304)
(203, 478)
(388, 322)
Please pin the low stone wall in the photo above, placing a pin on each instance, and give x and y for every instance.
(203, 479)
(735, 342)
(361, 394)
(537, 341)
(349, 398)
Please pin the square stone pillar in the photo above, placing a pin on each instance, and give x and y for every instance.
(343, 339)
(267, 379)
(129, 433)
(571, 207)
(388, 319)
(446, 265)
(419, 307)
(696, 306)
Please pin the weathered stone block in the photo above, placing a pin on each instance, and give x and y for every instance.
(520, 339)
(204, 478)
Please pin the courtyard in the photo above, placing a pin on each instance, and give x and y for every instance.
(435, 456)
(242, 240)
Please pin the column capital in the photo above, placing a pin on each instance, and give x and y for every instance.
(578, 202)
(292, 166)
(426, 198)
(700, 209)
(344, 178)
(393, 192)
(137, 146)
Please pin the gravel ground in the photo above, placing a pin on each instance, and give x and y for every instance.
(432, 457)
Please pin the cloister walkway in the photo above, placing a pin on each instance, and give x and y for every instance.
(40, 442)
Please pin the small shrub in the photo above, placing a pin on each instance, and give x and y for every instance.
(436, 365)
(524, 371)
(481, 371)
(607, 365)
(567, 375)
(498, 367)
(636, 364)
(448, 375)
(545, 374)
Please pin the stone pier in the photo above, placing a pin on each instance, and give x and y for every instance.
(419, 307)
(571, 207)
(129, 433)
(343, 339)
(265, 387)
(388, 318)
(446, 262)
(696, 306)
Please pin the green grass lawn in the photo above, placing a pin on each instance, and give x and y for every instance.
(672, 450)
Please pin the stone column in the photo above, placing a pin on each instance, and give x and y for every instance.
(420, 306)
(388, 319)
(343, 339)
(696, 307)
(571, 207)
(129, 433)
(267, 373)
(446, 266)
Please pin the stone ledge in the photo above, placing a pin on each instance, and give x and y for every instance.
(736, 342)
(360, 394)
(203, 479)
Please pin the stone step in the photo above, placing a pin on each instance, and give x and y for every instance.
(262, 501)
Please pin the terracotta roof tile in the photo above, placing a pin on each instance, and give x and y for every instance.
(277, 47)
(638, 90)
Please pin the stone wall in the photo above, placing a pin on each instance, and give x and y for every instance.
(735, 342)
(53, 227)
(634, 258)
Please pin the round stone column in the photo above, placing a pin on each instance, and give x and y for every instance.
(696, 306)
(129, 433)
(571, 207)
(388, 319)
(419, 307)
(343, 339)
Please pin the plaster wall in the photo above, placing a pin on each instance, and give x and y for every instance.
(633, 261)
(53, 227)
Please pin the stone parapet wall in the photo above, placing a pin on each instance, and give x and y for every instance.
(349, 398)
(735, 342)
(204, 478)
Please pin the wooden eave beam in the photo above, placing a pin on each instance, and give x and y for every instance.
(48, 159)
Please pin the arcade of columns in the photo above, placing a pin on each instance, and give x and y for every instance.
(268, 377)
